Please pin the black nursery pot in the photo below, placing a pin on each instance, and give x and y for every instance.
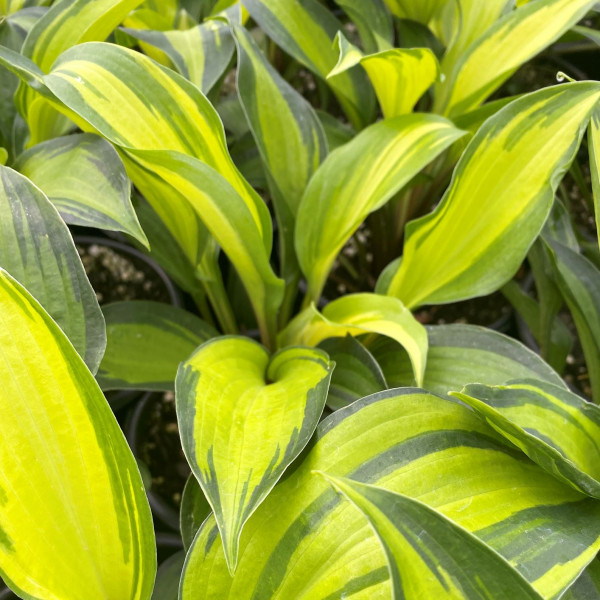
(153, 436)
(119, 272)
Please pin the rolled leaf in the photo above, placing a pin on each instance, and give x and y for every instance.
(462, 354)
(428, 555)
(74, 519)
(356, 314)
(243, 418)
(557, 429)
(201, 54)
(36, 248)
(505, 46)
(579, 281)
(306, 30)
(359, 178)
(145, 342)
(85, 179)
(356, 372)
(400, 76)
(305, 542)
(500, 196)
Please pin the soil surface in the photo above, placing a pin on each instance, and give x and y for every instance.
(118, 276)
(160, 448)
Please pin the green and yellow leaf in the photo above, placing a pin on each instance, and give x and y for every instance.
(305, 543)
(306, 30)
(493, 57)
(357, 179)
(36, 248)
(557, 429)
(85, 179)
(373, 21)
(357, 314)
(428, 555)
(594, 149)
(145, 342)
(463, 354)
(243, 418)
(74, 519)
(500, 196)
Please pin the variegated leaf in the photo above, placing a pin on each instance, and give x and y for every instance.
(244, 417)
(74, 519)
(305, 543)
(36, 248)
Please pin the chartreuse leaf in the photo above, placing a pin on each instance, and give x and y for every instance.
(74, 519)
(185, 148)
(201, 54)
(244, 417)
(3, 156)
(356, 314)
(286, 129)
(66, 24)
(587, 586)
(357, 179)
(194, 511)
(86, 181)
(373, 22)
(400, 76)
(557, 429)
(462, 354)
(305, 543)
(36, 248)
(422, 11)
(499, 198)
(145, 342)
(594, 149)
(306, 30)
(579, 281)
(428, 555)
(505, 46)
(356, 372)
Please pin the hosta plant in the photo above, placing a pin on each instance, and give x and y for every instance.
(338, 447)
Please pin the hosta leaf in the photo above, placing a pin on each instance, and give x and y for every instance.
(579, 281)
(230, 221)
(285, 127)
(428, 555)
(306, 30)
(359, 178)
(422, 11)
(92, 78)
(373, 22)
(85, 179)
(167, 578)
(462, 354)
(356, 314)
(356, 372)
(587, 586)
(505, 46)
(201, 54)
(400, 76)
(36, 248)
(74, 519)
(243, 418)
(501, 194)
(145, 342)
(194, 511)
(66, 24)
(594, 149)
(305, 543)
(556, 428)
